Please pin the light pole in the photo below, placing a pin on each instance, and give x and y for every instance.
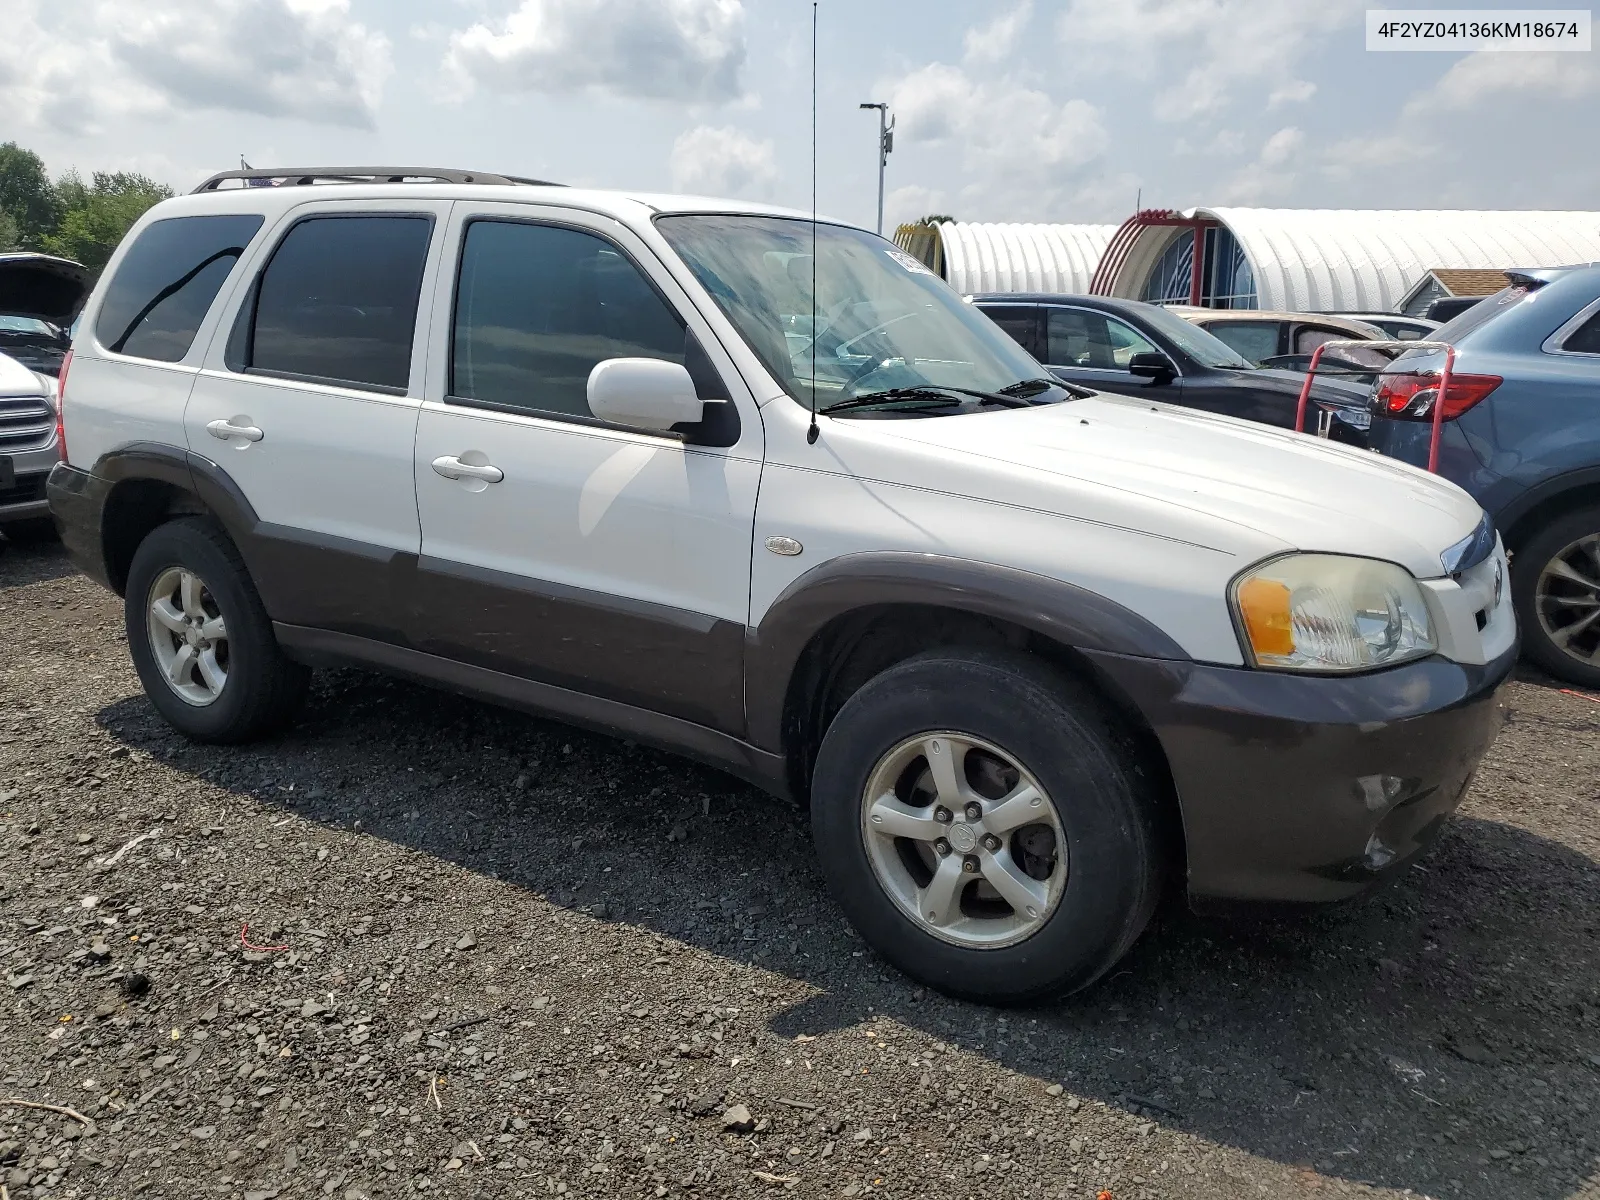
(885, 145)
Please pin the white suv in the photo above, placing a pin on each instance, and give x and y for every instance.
(1028, 652)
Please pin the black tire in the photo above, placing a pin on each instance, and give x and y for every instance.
(1089, 768)
(1529, 563)
(264, 688)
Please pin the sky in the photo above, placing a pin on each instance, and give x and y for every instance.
(1017, 110)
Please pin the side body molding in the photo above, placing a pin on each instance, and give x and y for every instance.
(1067, 614)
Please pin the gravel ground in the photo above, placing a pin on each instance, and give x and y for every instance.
(506, 958)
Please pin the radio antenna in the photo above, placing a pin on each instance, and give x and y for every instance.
(813, 431)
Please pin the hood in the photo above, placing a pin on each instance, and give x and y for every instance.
(18, 380)
(1288, 490)
(37, 285)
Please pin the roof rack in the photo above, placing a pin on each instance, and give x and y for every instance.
(306, 176)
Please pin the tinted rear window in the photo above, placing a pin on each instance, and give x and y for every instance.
(338, 301)
(1585, 339)
(167, 281)
(1480, 314)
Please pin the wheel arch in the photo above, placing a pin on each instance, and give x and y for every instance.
(1545, 502)
(151, 484)
(851, 618)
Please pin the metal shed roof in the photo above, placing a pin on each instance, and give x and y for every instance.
(1353, 260)
(989, 257)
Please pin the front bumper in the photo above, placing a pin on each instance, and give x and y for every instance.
(24, 497)
(1312, 788)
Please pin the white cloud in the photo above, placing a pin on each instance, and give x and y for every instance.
(996, 125)
(988, 44)
(1271, 174)
(910, 203)
(1281, 145)
(722, 162)
(1483, 79)
(1019, 153)
(75, 65)
(1295, 91)
(1221, 49)
(684, 50)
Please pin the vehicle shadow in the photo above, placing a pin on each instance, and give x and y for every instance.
(32, 560)
(1402, 1041)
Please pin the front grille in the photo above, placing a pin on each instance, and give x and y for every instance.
(26, 423)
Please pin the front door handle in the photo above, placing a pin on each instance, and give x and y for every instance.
(452, 467)
(233, 429)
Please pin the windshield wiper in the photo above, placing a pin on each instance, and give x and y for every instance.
(1033, 387)
(930, 392)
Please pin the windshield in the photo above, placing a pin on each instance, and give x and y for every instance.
(27, 325)
(1206, 349)
(883, 320)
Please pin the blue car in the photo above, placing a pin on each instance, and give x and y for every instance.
(1522, 434)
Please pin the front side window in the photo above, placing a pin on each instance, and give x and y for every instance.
(338, 301)
(166, 282)
(1255, 340)
(537, 306)
(882, 321)
(1080, 337)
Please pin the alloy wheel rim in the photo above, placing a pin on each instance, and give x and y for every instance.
(188, 636)
(1567, 600)
(964, 840)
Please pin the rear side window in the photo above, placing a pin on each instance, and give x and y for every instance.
(1021, 323)
(337, 303)
(166, 282)
(537, 306)
(1585, 339)
(1256, 340)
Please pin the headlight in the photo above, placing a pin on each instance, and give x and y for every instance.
(1327, 612)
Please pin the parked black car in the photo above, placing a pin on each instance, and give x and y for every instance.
(1140, 349)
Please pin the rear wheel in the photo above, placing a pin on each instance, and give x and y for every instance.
(201, 640)
(984, 823)
(1556, 587)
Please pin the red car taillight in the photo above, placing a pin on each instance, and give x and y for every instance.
(61, 405)
(1411, 397)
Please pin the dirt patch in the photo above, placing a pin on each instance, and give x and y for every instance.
(492, 956)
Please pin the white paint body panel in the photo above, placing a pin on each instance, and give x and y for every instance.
(332, 460)
(621, 513)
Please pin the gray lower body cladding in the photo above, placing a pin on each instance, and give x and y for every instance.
(1312, 788)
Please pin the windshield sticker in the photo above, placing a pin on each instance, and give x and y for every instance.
(909, 263)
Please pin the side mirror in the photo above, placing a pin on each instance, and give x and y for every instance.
(649, 393)
(1152, 364)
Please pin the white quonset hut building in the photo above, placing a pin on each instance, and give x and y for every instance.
(991, 257)
(1326, 260)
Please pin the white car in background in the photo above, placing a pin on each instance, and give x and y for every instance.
(40, 297)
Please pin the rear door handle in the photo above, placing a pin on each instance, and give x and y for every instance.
(228, 430)
(452, 467)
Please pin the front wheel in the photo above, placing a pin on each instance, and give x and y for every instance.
(1555, 585)
(201, 640)
(986, 825)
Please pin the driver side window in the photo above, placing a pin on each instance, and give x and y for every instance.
(1077, 337)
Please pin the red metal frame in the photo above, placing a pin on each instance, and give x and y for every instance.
(1122, 243)
(1438, 402)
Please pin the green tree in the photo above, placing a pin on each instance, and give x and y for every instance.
(27, 198)
(96, 215)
